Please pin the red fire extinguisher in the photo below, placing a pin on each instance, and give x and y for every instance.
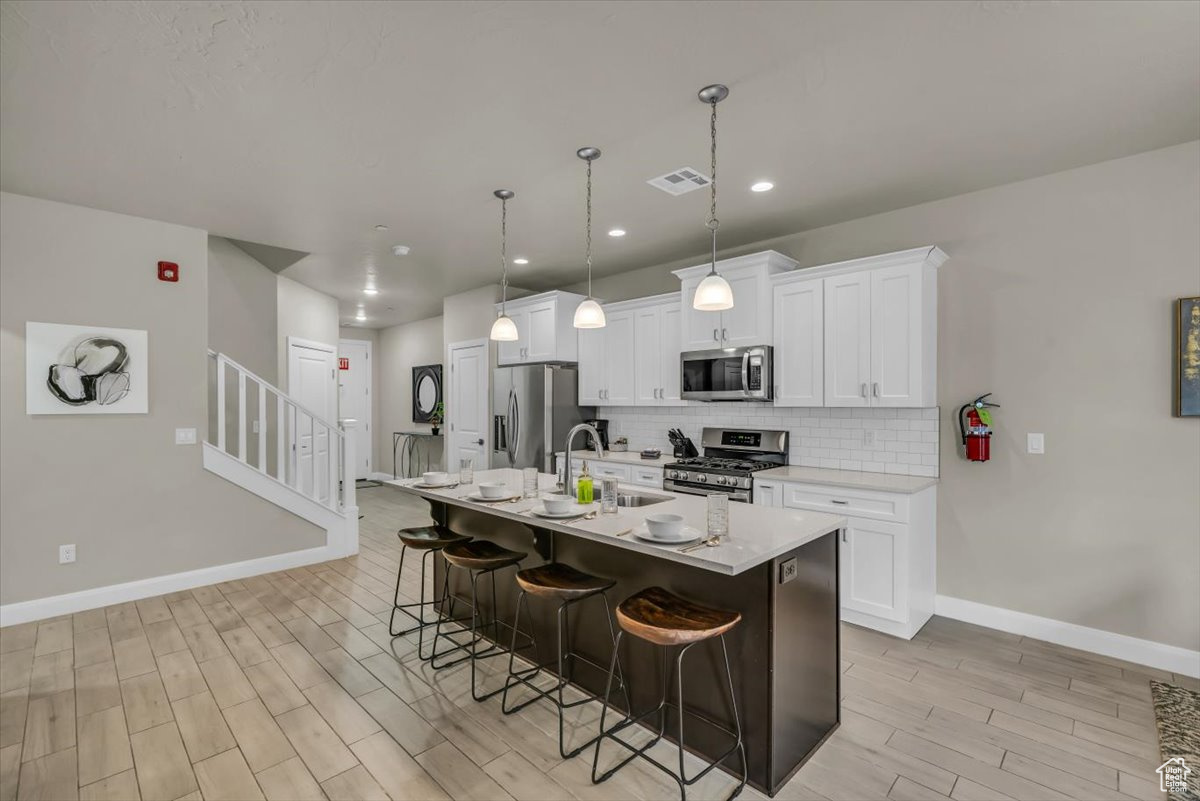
(975, 425)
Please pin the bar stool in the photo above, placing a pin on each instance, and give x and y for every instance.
(478, 558)
(667, 620)
(430, 540)
(557, 582)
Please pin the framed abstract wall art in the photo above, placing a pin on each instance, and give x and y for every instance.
(1187, 357)
(80, 369)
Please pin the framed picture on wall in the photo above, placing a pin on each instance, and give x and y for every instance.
(1187, 357)
(427, 393)
(84, 369)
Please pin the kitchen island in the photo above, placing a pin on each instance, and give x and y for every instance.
(779, 569)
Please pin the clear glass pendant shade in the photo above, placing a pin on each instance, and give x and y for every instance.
(713, 294)
(588, 314)
(504, 329)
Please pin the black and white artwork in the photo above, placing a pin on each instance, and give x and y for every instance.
(77, 369)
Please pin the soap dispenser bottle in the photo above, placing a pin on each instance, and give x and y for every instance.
(583, 486)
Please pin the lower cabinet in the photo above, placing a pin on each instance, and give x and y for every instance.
(886, 554)
(623, 472)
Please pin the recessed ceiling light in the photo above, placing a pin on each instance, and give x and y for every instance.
(370, 291)
(520, 260)
(400, 250)
(360, 317)
(617, 232)
(381, 228)
(762, 186)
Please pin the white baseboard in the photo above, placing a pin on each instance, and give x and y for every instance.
(377, 476)
(41, 608)
(1097, 641)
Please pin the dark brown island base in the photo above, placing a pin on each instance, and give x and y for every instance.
(780, 571)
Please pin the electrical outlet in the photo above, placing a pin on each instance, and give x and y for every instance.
(254, 427)
(868, 436)
(185, 436)
(66, 554)
(788, 570)
(1035, 443)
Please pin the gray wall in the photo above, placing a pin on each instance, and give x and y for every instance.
(305, 313)
(1058, 298)
(401, 348)
(134, 503)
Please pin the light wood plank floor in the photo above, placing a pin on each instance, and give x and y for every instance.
(287, 686)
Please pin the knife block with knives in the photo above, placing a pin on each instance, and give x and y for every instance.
(684, 447)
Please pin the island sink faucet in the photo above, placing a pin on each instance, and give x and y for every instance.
(568, 484)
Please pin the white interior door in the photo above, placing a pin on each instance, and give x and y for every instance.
(467, 404)
(354, 397)
(312, 383)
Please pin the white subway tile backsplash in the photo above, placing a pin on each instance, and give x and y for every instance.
(873, 440)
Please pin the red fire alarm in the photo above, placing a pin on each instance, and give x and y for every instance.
(168, 271)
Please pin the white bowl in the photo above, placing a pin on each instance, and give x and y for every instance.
(558, 504)
(493, 489)
(435, 478)
(664, 525)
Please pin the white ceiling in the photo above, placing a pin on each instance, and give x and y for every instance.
(303, 125)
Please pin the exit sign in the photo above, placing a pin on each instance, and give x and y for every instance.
(343, 363)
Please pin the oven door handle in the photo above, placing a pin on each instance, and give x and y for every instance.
(740, 495)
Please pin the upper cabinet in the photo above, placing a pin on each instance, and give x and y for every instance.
(545, 329)
(634, 359)
(749, 321)
(859, 333)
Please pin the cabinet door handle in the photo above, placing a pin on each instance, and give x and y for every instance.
(844, 535)
(715, 332)
(863, 389)
(724, 335)
(875, 389)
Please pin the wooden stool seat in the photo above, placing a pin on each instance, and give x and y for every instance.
(557, 580)
(429, 537)
(664, 618)
(480, 555)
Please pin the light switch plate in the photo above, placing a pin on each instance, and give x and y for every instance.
(1036, 443)
(185, 436)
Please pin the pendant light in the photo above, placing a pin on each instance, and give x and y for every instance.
(504, 329)
(588, 314)
(714, 292)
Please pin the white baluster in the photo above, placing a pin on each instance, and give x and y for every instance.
(241, 415)
(221, 403)
(262, 427)
(280, 439)
(349, 469)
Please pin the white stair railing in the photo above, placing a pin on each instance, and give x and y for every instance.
(312, 455)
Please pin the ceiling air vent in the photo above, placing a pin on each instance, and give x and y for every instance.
(680, 181)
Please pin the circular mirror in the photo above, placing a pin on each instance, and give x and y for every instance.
(426, 394)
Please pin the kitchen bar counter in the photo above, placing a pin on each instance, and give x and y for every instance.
(853, 479)
(757, 534)
(779, 571)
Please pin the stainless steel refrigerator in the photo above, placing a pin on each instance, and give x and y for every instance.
(533, 408)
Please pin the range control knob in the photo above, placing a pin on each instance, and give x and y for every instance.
(720, 479)
(702, 478)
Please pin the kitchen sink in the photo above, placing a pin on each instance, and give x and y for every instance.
(634, 499)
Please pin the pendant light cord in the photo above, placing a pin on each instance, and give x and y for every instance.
(589, 226)
(713, 223)
(504, 256)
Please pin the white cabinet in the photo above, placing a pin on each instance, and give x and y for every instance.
(799, 313)
(646, 476)
(634, 359)
(749, 321)
(544, 327)
(858, 333)
(886, 553)
(624, 472)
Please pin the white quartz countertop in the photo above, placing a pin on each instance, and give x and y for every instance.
(757, 534)
(631, 456)
(854, 479)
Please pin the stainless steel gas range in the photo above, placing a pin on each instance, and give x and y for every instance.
(731, 457)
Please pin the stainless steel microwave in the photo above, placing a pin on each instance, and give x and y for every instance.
(727, 374)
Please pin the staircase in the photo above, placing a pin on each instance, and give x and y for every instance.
(269, 444)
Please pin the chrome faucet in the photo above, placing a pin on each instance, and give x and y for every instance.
(568, 485)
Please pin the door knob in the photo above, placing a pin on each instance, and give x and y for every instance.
(479, 442)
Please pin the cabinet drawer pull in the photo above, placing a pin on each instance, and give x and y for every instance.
(840, 503)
